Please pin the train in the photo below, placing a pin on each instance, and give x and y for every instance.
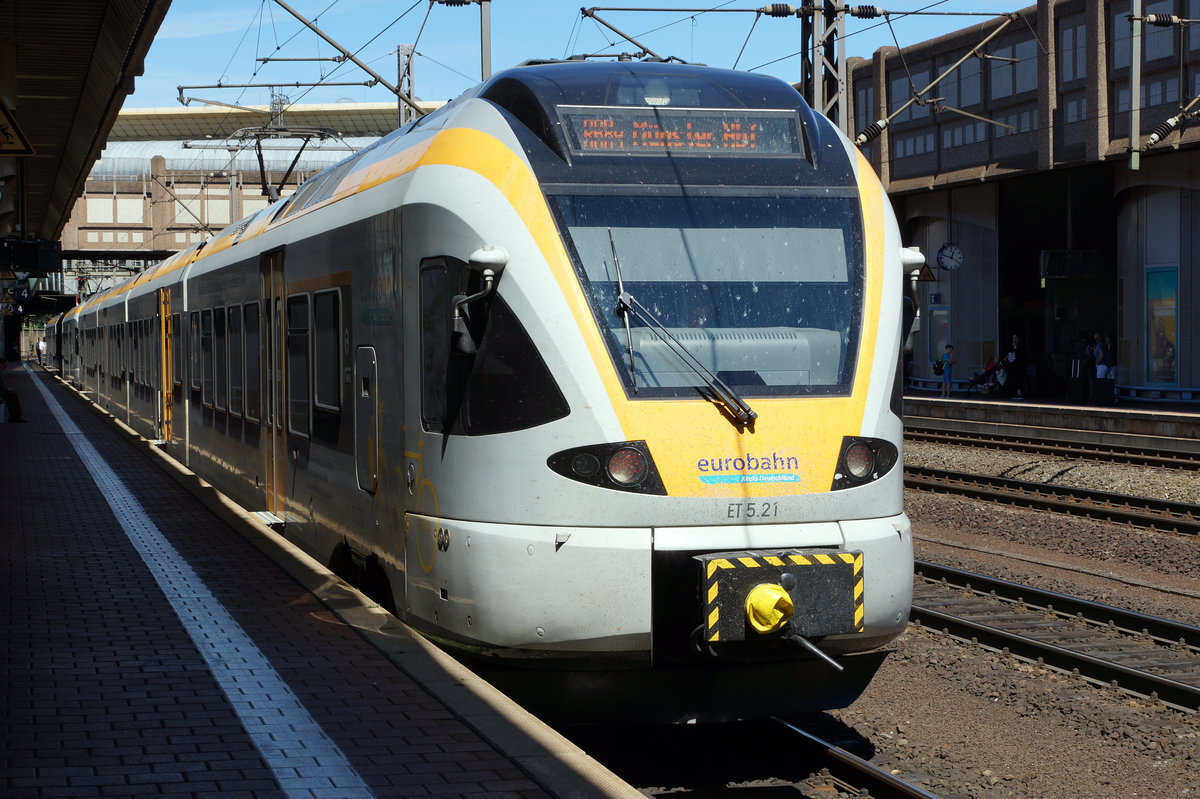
(591, 376)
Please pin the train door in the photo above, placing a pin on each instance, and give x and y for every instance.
(275, 425)
(366, 418)
(165, 376)
(426, 298)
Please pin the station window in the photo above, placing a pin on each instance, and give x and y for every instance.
(902, 90)
(235, 360)
(327, 366)
(1158, 42)
(968, 83)
(1193, 34)
(253, 363)
(220, 361)
(864, 105)
(298, 398)
(206, 347)
(1072, 54)
(1118, 36)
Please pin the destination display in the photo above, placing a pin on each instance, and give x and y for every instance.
(609, 130)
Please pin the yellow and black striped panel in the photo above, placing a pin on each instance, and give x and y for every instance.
(826, 589)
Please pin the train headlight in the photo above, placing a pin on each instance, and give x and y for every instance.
(622, 466)
(628, 467)
(863, 460)
(585, 464)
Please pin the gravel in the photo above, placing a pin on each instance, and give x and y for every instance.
(965, 722)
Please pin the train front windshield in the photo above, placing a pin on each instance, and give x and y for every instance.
(765, 292)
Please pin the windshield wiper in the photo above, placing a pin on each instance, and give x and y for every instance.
(624, 311)
(627, 304)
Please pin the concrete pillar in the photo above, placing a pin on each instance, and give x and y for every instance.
(1097, 82)
(162, 207)
(882, 148)
(1048, 85)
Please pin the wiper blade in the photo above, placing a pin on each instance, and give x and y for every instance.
(720, 390)
(624, 309)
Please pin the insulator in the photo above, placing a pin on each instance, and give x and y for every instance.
(456, 2)
(1162, 131)
(871, 132)
(778, 10)
(1161, 20)
(866, 12)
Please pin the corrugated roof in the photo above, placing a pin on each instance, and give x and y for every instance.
(202, 121)
(131, 159)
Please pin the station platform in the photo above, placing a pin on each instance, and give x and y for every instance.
(161, 642)
(1166, 427)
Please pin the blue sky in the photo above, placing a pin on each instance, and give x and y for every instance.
(218, 41)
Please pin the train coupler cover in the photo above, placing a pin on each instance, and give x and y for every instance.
(749, 596)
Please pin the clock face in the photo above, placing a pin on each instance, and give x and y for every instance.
(950, 256)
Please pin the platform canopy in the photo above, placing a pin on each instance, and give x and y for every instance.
(66, 67)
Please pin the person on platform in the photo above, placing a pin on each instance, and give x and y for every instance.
(10, 397)
(947, 362)
(1103, 360)
(1014, 368)
(41, 351)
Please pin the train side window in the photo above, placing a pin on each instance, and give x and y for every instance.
(151, 370)
(206, 348)
(220, 361)
(177, 350)
(253, 363)
(194, 349)
(435, 344)
(510, 387)
(327, 364)
(235, 359)
(298, 365)
(143, 352)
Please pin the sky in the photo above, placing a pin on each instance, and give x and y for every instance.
(205, 42)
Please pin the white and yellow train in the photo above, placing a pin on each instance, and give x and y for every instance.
(591, 375)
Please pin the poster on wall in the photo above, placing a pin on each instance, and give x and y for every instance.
(1160, 322)
(939, 332)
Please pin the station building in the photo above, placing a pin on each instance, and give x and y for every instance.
(1014, 176)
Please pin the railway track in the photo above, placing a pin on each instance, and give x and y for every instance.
(1102, 451)
(848, 773)
(1141, 655)
(744, 759)
(1153, 514)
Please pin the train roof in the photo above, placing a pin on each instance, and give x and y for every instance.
(638, 83)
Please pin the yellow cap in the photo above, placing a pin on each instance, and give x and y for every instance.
(768, 607)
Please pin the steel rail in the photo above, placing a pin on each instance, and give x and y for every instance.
(1097, 613)
(1159, 515)
(1106, 453)
(852, 772)
(1091, 668)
